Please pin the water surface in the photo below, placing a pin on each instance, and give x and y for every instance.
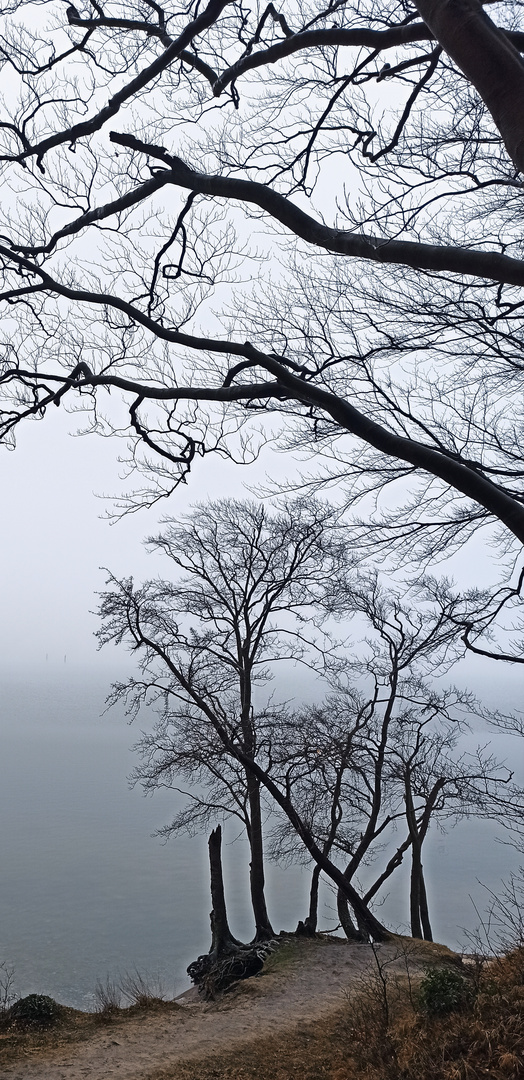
(86, 892)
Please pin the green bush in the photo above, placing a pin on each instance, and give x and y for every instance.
(36, 1010)
(443, 991)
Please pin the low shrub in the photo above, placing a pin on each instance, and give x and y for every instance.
(443, 991)
(36, 1010)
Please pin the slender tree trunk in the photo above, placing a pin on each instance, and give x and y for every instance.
(263, 928)
(310, 923)
(351, 931)
(424, 911)
(312, 919)
(420, 924)
(414, 892)
(418, 901)
(392, 865)
(418, 904)
(222, 939)
(309, 926)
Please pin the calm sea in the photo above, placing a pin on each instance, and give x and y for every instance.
(87, 893)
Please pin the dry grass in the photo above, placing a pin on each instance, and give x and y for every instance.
(134, 987)
(484, 1038)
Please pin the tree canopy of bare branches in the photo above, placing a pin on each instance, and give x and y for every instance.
(310, 211)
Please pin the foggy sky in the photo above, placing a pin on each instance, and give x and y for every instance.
(55, 539)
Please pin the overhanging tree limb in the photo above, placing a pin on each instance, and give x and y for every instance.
(415, 366)
(491, 265)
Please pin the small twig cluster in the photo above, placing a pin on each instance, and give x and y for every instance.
(7, 981)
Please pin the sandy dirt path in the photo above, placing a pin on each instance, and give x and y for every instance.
(306, 985)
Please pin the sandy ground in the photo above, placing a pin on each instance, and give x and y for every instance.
(310, 983)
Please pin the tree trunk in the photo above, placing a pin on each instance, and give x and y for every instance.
(414, 893)
(311, 921)
(418, 901)
(392, 865)
(420, 924)
(222, 939)
(308, 928)
(346, 922)
(263, 928)
(489, 61)
(424, 912)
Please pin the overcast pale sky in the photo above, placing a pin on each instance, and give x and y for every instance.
(54, 538)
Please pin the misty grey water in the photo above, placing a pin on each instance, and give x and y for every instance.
(87, 893)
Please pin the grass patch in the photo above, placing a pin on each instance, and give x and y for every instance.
(133, 988)
(289, 950)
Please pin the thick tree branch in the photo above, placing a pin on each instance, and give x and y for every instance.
(470, 481)
(487, 265)
(490, 265)
(489, 60)
(338, 37)
(453, 472)
(508, 658)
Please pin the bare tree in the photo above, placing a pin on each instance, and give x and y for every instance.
(247, 589)
(244, 601)
(443, 786)
(382, 754)
(341, 776)
(141, 141)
